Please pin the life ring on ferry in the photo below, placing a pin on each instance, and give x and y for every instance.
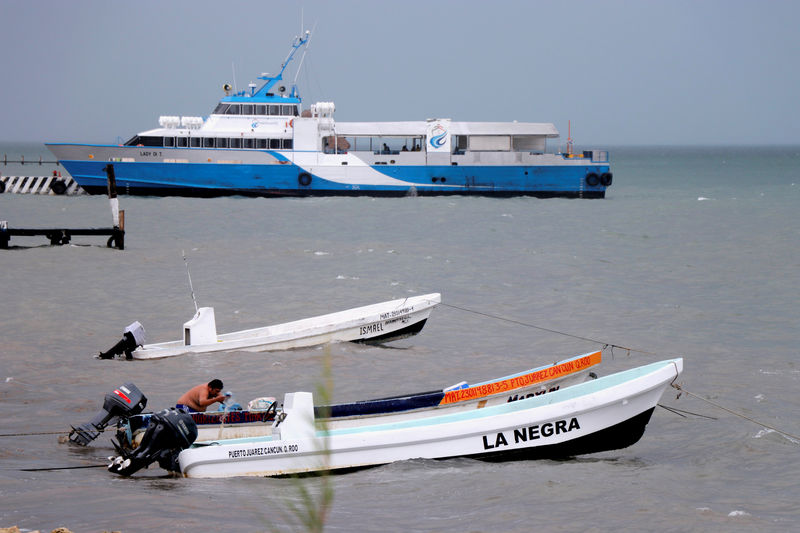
(592, 179)
(290, 124)
(58, 187)
(606, 178)
(304, 179)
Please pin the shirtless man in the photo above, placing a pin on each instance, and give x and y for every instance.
(199, 397)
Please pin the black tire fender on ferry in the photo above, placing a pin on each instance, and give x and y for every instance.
(592, 179)
(606, 178)
(58, 187)
(2, 187)
(304, 179)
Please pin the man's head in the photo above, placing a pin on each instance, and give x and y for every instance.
(214, 387)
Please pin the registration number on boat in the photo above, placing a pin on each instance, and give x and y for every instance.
(397, 312)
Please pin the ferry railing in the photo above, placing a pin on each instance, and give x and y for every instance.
(22, 161)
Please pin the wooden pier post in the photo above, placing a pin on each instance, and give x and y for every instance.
(59, 236)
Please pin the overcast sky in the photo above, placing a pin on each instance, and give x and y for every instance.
(624, 72)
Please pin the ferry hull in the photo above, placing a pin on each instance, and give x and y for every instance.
(255, 173)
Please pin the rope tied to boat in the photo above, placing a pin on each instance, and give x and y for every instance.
(681, 390)
(610, 347)
(549, 330)
(46, 433)
(683, 413)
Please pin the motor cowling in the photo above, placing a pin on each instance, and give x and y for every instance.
(168, 432)
(125, 401)
(132, 337)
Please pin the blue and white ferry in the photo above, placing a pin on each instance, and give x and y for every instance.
(261, 142)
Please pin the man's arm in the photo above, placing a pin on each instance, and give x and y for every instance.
(205, 402)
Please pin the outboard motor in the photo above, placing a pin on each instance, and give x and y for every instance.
(169, 432)
(132, 338)
(125, 401)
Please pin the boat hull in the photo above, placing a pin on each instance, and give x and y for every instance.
(375, 323)
(600, 415)
(212, 173)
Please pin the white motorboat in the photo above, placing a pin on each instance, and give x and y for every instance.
(608, 413)
(376, 323)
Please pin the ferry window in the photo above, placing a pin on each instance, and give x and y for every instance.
(236, 143)
(194, 142)
(274, 110)
(248, 143)
(208, 142)
(151, 141)
(287, 144)
(262, 143)
(261, 110)
(275, 144)
(133, 141)
(183, 142)
(233, 110)
(287, 110)
(490, 143)
(221, 109)
(247, 109)
(169, 141)
(222, 142)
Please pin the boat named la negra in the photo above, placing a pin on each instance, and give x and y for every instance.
(261, 142)
(603, 414)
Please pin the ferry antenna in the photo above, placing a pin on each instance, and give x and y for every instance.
(308, 43)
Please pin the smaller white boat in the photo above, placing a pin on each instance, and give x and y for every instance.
(376, 323)
(604, 414)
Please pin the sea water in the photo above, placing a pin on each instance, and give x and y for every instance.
(695, 252)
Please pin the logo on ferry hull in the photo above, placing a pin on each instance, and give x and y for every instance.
(438, 139)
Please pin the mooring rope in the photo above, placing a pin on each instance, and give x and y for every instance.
(629, 350)
(740, 415)
(27, 434)
(44, 469)
(46, 433)
(579, 337)
(683, 412)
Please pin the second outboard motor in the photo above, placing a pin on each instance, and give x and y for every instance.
(127, 400)
(169, 432)
(132, 337)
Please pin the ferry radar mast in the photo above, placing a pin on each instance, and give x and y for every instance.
(299, 42)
